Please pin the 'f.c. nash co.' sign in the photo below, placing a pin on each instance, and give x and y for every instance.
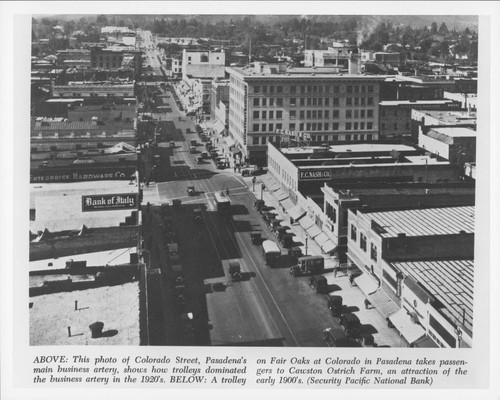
(107, 202)
(314, 175)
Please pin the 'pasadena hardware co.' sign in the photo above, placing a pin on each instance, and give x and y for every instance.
(107, 202)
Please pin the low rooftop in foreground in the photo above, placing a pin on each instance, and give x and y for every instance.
(115, 306)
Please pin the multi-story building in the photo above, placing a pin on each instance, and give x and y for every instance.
(267, 100)
(423, 260)
(456, 144)
(384, 196)
(219, 103)
(70, 57)
(395, 115)
(116, 57)
(394, 59)
(119, 34)
(94, 89)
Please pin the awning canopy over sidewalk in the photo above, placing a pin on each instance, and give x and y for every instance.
(313, 231)
(296, 213)
(406, 327)
(306, 222)
(287, 204)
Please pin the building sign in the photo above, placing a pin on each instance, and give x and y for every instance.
(295, 134)
(108, 202)
(314, 175)
(49, 175)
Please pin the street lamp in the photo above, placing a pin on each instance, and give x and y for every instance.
(306, 244)
(458, 332)
(253, 183)
(262, 187)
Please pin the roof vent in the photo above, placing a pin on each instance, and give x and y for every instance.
(401, 235)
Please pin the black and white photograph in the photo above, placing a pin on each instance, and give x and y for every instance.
(221, 195)
(253, 180)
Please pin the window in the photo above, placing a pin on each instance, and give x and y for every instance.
(370, 89)
(395, 113)
(407, 125)
(302, 114)
(363, 88)
(348, 101)
(292, 127)
(348, 126)
(383, 126)
(335, 126)
(256, 89)
(356, 89)
(320, 102)
(293, 101)
(271, 114)
(271, 127)
(362, 114)
(279, 89)
(271, 102)
(335, 114)
(335, 101)
(271, 89)
(264, 102)
(355, 126)
(255, 140)
(314, 114)
(308, 114)
(349, 89)
(348, 113)
(356, 113)
(264, 127)
(336, 89)
(362, 241)
(301, 127)
(369, 101)
(356, 101)
(309, 101)
(327, 114)
(302, 102)
(353, 233)
(308, 126)
(255, 102)
(314, 101)
(347, 138)
(313, 126)
(293, 89)
(369, 113)
(395, 125)
(256, 115)
(363, 101)
(373, 252)
(279, 126)
(293, 114)
(302, 89)
(327, 101)
(264, 89)
(369, 125)
(279, 102)
(320, 114)
(279, 114)
(361, 125)
(264, 114)
(255, 128)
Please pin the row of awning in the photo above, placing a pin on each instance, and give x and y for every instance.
(400, 318)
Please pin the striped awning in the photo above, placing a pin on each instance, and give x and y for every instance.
(280, 195)
(406, 327)
(306, 222)
(321, 239)
(366, 283)
(313, 231)
(296, 213)
(329, 247)
(287, 204)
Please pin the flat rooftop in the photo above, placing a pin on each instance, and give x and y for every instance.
(425, 222)
(452, 117)
(455, 131)
(351, 148)
(116, 306)
(415, 102)
(95, 259)
(450, 281)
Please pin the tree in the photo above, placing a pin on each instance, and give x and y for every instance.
(101, 20)
(434, 28)
(443, 30)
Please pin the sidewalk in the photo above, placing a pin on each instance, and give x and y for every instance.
(353, 298)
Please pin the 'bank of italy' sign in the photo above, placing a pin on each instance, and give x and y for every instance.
(314, 175)
(107, 202)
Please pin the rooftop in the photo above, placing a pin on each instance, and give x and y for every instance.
(450, 281)
(95, 259)
(447, 134)
(350, 148)
(116, 306)
(452, 117)
(414, 102)
(425, 222)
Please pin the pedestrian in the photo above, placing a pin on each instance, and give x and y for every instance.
(234, 168)
(335, 269)
(351, 280)
(367, 304)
